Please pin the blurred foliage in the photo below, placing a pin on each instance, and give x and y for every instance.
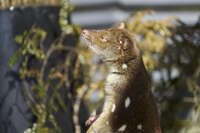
(45, 79)
(152, 35)
(65, 10)
(170, 52)
(36, 83)
(12, 3)
(29, 44)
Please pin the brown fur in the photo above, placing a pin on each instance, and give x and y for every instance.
(130, 85)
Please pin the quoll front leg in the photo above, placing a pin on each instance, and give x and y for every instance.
(101, 125)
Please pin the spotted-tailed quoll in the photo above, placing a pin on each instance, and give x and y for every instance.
(129, 106)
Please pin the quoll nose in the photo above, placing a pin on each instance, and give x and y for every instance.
(85, 32)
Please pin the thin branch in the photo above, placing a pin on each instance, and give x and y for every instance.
(50, 51)
(31, 98)
(76, 108)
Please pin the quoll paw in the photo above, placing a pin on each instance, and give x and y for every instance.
(91, 120)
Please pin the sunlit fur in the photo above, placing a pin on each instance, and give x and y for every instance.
(117, 47)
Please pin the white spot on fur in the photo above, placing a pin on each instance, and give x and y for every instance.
(139, 126)
(127, 102)
(122, 128)
(11, 8)
(113, 108)
(124, 66)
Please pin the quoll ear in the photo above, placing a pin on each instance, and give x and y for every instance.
(121, 25)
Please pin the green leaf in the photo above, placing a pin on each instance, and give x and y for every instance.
(15, 57)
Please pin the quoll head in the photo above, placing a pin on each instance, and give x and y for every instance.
(111, 44)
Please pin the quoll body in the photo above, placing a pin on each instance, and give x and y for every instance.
(129, 106)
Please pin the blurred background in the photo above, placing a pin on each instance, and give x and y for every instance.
(104, 13)
(50, 82)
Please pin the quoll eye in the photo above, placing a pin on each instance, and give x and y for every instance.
(103, 39)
